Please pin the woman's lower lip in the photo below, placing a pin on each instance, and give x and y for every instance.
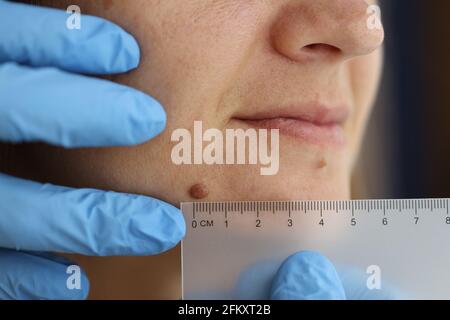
(305, 131)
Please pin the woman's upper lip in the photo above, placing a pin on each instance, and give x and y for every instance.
(315, 113)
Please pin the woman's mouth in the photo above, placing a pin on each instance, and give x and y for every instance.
(313, 124)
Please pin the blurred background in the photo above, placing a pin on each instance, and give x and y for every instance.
(407, 150)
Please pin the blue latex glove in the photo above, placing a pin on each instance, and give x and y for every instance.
(306, 275)
(44, 97)
(309, 275)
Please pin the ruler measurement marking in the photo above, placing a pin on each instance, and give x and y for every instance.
(384, 207)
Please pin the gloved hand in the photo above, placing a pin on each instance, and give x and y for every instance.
(44, 97)
(308, 275)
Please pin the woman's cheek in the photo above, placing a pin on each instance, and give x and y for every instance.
(197, 61)
(365, 73)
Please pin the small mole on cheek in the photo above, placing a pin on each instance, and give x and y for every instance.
(322, 164)
(198, 191)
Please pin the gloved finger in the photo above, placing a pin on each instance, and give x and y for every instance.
(38, 217)
(27, 276)
(73, 110)
(307, 275)
(39, 37)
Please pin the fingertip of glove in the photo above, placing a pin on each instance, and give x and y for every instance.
(174, 227)
(156, 228)
(307, 275)
(177, 225)
(148, 121)
(131, 53)
(82, 293)
(40, 276)
(309, 257)
(70, 282)
(112, 49)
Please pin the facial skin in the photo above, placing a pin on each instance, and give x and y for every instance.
(218, 60)
(221, 61)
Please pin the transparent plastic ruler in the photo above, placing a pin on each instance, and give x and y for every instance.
(381, 248)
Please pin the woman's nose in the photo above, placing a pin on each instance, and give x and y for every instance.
(311, 30)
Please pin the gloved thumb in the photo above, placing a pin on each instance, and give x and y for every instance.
(307, 275)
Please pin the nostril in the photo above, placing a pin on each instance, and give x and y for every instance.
(319, 51)
(321, 48)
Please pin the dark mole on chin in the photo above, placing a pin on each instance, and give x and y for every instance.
(198, 191)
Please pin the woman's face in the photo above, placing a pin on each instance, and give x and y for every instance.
(226, 63)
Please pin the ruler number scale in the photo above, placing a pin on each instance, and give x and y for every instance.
(212, 214)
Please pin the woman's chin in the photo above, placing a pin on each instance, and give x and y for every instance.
(251, 188)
